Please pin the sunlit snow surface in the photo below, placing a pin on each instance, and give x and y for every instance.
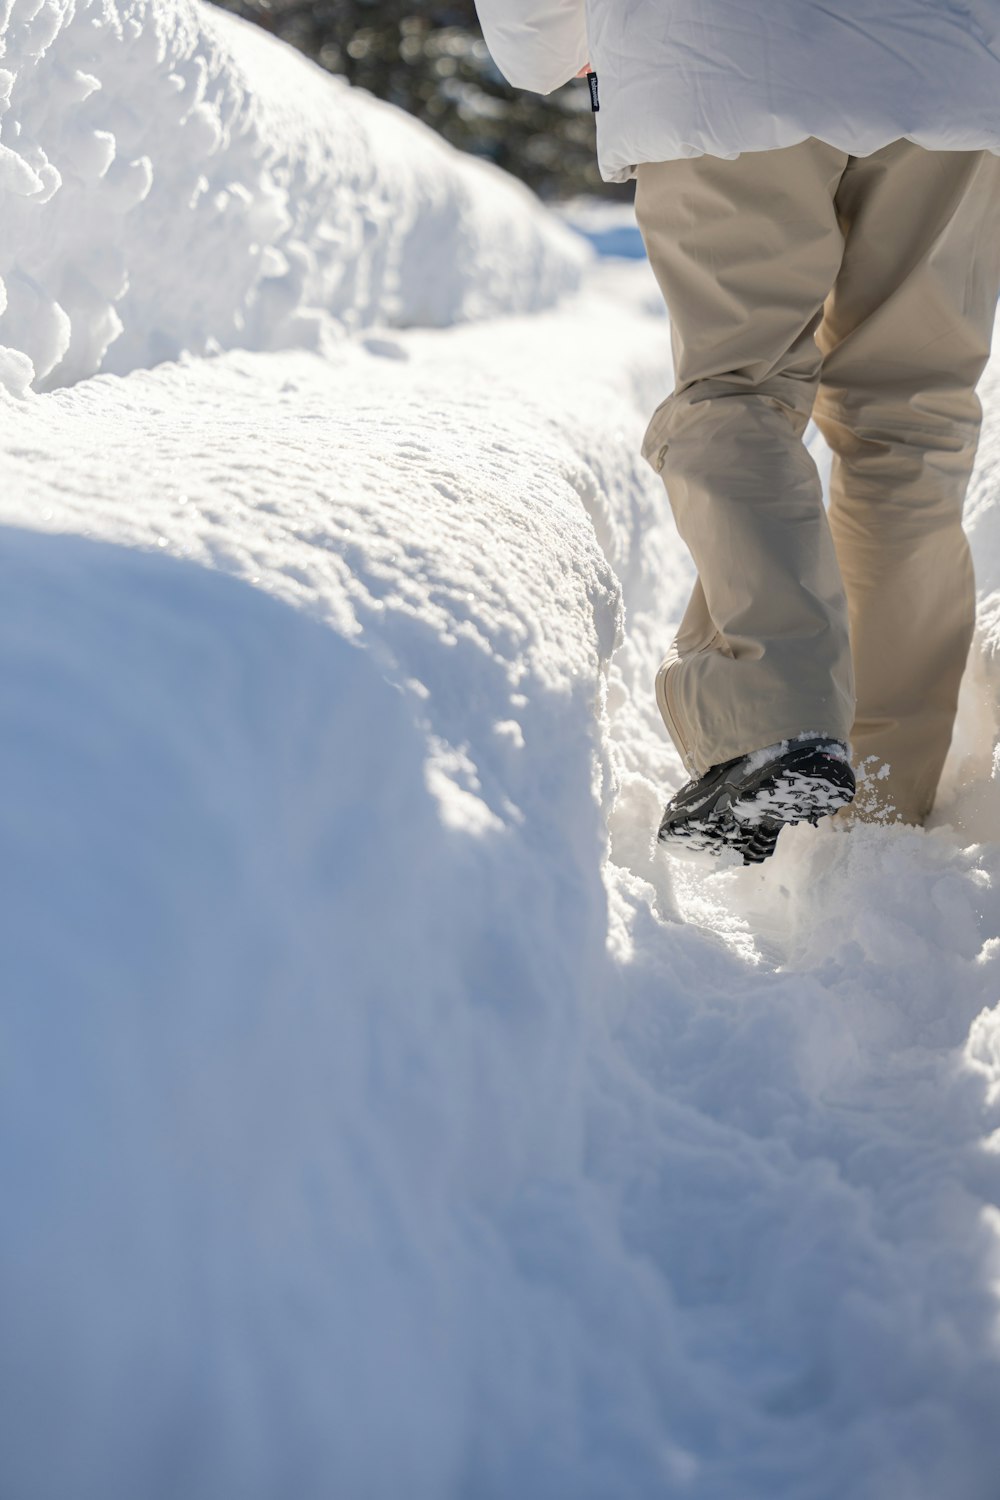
(172, 178)
(371, 1125)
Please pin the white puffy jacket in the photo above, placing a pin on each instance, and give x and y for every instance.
(686, 77)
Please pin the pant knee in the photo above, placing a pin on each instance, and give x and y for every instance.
(709, 410)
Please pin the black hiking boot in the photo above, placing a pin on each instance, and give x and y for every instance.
(742, 805)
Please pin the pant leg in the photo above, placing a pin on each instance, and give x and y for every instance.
(905, 337)
(746, 252)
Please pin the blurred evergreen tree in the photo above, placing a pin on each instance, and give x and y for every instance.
(433, 62)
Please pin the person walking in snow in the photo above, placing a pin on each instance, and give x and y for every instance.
(820, 202)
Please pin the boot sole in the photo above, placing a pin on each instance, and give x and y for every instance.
(746, 817)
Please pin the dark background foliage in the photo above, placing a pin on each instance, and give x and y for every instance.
(431, 60)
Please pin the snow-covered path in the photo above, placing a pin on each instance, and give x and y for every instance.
(380, 1114)
(390, 1141)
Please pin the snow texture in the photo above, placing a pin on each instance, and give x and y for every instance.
(381, 1114)
(173, 179)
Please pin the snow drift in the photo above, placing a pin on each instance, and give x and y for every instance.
(331, 932)
(173, 179)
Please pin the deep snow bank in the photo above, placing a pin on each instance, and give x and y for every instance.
(308, 929)
(304, 1077)
(173, 179)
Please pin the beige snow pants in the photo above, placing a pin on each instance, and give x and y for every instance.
(861, 291)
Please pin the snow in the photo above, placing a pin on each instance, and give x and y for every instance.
(608, 224)
(381, 1114)
(173, 179)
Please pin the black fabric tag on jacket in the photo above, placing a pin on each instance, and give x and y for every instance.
(595, 103)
